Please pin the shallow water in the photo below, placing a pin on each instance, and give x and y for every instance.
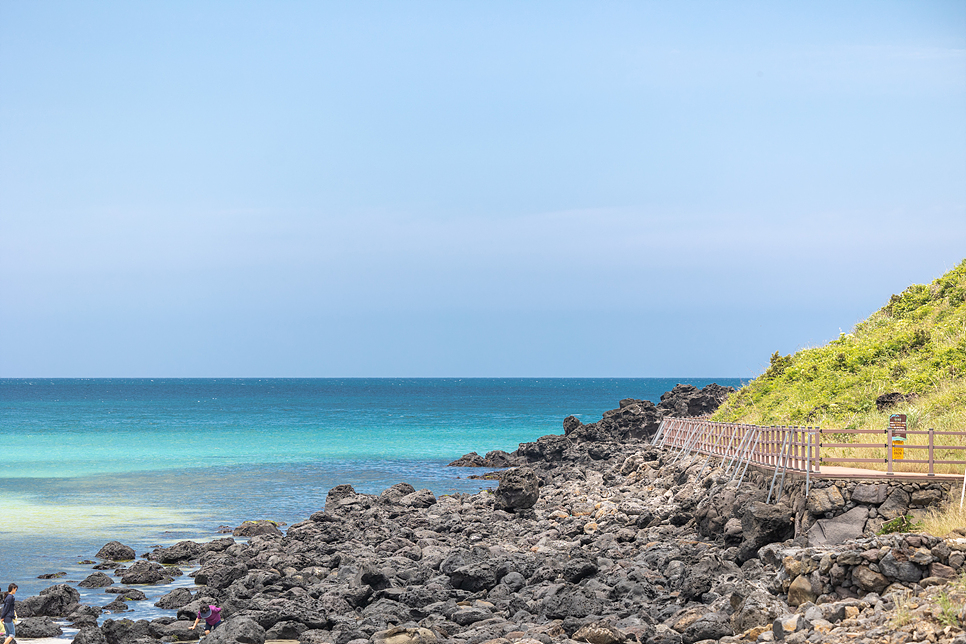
(151, 462)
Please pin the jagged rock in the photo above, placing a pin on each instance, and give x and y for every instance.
(825, 500)
(897, 504)
(756, 609)
(710, 626)
(801, 591)
(116, 551)
(519, 489)
(418, 499)
(175, 599)
(55, 601)
(239, 629)
(38, 627)
(893, 398)
(763, 524)
(901, 569)
(253, 528)
(181, 551)
(468, 460)
(785, 626)
(688, 400)
(850, 525)
(126, 631)
(127, 594)
(90, 635)
(116, 606)
(96, 580)
(498, 458)
(145, 572)
(180, 631)
(396, 492)
(623, 540)
(867, 579)
(869, 493)
(599, 633)
(402, 635)
(922, 498)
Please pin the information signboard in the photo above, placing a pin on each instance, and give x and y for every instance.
(897, 423)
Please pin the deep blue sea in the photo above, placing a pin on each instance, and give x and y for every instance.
(154, 461)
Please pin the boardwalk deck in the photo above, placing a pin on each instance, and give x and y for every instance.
(834, 472)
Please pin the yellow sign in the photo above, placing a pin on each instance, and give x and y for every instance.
(897, 444)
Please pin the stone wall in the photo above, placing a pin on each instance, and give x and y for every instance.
(881, 565)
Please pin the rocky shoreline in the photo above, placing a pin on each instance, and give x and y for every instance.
(591, 536)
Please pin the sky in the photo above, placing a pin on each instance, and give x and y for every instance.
(468, 189)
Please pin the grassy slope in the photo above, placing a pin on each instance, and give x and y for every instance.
(914, 344)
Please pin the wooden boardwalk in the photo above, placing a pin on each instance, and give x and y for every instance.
(798, 451)
(835, 472)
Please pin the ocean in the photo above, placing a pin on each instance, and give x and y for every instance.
(154, 461)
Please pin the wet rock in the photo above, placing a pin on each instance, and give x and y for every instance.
(127, 594)
(96, 580)
(126, 631)
(468, 460)
(116, 606)
(145, 572)
(116, 551)
(38, 627)
(179, 552)
(90, 635)
(55, 601)
(254, 528)
(175, 599)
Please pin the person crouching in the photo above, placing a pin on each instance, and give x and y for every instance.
(212, 616)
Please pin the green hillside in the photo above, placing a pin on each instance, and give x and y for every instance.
(916, 343)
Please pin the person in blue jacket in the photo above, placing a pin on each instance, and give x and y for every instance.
(9, 613)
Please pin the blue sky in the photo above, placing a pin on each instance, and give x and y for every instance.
(468, 189)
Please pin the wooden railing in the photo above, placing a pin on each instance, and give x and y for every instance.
(796, 449)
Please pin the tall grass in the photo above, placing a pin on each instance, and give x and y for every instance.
(915, 344)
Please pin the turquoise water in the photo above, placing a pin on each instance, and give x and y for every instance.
(154, 461)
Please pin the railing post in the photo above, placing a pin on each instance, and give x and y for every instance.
(931, 444)
(817, 439)
(808, 462)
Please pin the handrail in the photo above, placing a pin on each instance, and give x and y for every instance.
(792, 449)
